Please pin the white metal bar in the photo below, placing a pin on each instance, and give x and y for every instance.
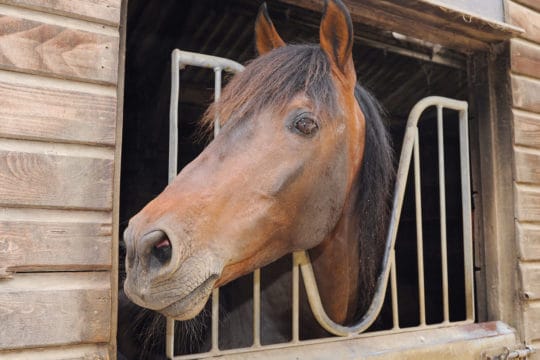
(467, 212)
(442, 207)
(215, 292)
(419, 230)
(215, 320)
(257, 308)
(295, 299)
(179, 59)
(217, 95)
(172, 171)
(169, 338)
(393, 286)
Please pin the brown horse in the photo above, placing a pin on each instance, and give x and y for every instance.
(302, 161)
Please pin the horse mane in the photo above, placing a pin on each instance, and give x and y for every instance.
(273, 80)
(372, 190)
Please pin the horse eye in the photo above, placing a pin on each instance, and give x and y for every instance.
(306, 125)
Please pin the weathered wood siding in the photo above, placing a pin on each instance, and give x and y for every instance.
(525, 80)
(59, 71)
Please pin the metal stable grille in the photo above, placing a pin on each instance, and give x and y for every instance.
(410, 150)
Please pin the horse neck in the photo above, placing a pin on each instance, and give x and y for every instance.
(336, 266)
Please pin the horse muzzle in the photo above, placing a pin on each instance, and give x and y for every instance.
(163, 276)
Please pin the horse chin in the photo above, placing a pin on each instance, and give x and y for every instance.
(192, 304)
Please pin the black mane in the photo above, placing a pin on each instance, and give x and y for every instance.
(373, 189)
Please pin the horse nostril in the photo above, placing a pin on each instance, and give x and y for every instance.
(162, 249)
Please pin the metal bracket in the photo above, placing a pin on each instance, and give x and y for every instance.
(505, 353)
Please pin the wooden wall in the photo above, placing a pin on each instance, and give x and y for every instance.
(59, 154)
(525, 81)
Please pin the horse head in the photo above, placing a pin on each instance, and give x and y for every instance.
(278, 177)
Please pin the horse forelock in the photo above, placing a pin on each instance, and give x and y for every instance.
(272, 81)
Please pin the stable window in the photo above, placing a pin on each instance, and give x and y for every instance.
(399, 71)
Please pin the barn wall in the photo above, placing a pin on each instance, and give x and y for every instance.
(59, 76)
(525, 81)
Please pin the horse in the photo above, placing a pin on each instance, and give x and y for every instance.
(303, 162)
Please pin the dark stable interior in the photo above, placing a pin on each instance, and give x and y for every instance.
(225, 28)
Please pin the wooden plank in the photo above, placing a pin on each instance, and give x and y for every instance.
(77, 352)
(464, 342)
(525, 58)
(378, 16)
(526, 93)
(533, 4)
(48, 245)
(49, 180)
(526, 129)
(527, 203)
(117, 179)
(525, 18)
(530, 280)
(528, 236)
(36, 47)
(38, 310)
(527, 165)
(531, 320)
(45, 113)
(102, 11)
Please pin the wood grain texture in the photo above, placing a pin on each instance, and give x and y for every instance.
(527, 165)
(45, 246)
(533, 4)
(526, 129)
(398, 17)
(102, 11)
(526, 93)
(77, 352)
(525, 18)
(525, 58)
(530, 280)
(528, 241)
(531, 316)
(46, 180)
(38, 310)
(35, 112)
(35, 47)
(527, 203)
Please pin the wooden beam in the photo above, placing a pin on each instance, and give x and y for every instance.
(31, 111)
(527, 165)
(447, 27)
(528, 236)
(526, 93)
(525, 58)
(526, 128)
(525, 18)
(76, 352)
(527, 203)
(45, 240)
(530, 280)
(39, 177)
(531, 315)
(101, 11)
(533, 4)
(38, 310)
(42, 48)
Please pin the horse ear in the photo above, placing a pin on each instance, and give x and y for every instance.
(266, 36)
(336, 35)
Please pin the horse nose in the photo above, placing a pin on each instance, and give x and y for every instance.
(153, 249)
(157, 246)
